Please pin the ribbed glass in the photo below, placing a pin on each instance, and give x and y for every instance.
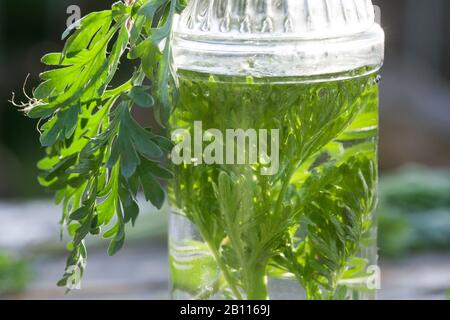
(277, 37)
(300, 18)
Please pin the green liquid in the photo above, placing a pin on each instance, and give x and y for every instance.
(310, 224)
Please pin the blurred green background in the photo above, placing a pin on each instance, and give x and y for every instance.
(414, 211)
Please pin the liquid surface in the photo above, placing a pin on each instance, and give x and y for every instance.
(306, 231)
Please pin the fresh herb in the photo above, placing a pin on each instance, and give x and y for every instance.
(98, 156)
(308, 222)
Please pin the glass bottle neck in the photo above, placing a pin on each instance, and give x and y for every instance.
(277, 38)
(306, 19)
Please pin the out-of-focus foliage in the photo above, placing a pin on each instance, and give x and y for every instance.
(14, 274)
(414, 211)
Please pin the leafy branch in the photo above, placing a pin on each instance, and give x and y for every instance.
(98, 156)
(310, 220)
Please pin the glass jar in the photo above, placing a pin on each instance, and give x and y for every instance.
(276, 131)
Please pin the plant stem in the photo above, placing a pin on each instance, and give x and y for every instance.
(225, 271)
(257, 283)
(285, 185)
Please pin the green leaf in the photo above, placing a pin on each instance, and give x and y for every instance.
(85, 30)
(60, 167)
(115, 246)
(52, 59)
(152, 189)
(129, 159)
(156, 169)
(80, 214)
(132, 139)
(111, 232)
(117, 242)
(82, 232)
(140, 96)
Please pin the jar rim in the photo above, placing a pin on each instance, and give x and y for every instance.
(278, 56)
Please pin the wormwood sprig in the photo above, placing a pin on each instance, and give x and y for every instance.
(98, 156)
(307, 221)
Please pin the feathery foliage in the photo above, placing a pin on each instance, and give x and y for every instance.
(98, 156)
